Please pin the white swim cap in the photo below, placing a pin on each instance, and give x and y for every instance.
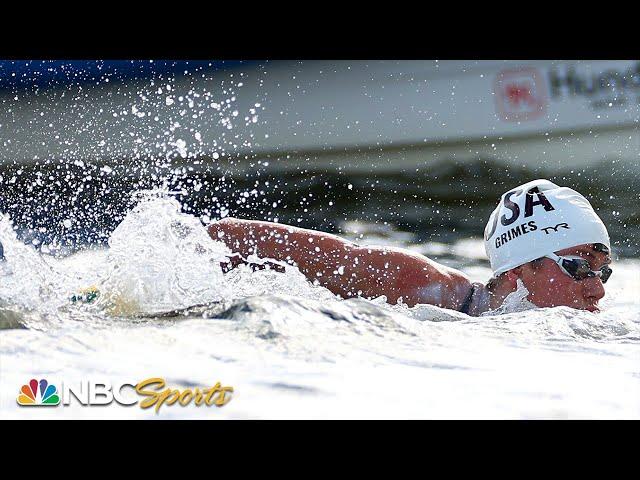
(536, 219)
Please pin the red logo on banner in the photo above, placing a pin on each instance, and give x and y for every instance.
(520, 94)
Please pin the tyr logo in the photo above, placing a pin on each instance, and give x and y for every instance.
(555, 229)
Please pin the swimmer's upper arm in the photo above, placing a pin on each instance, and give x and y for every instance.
(417, 279)
(309, 250)
(345, 268)
(427, 281)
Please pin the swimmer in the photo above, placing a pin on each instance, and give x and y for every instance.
(546, 236)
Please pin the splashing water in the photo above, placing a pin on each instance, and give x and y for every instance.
(516, 301)
(28, 279)
(160, 259)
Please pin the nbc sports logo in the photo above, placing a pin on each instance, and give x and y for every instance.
(41, 394)
(104, 392)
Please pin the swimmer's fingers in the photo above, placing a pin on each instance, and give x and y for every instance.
(269, 265)
(234, 260)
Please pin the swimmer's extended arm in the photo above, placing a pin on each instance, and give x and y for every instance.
(345, 268)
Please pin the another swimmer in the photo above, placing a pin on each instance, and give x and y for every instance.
(547, 236)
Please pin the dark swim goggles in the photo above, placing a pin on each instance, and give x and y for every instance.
(579, 268)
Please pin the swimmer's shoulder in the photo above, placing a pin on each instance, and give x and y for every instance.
(445, 287)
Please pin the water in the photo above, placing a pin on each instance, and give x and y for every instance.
(291, 349)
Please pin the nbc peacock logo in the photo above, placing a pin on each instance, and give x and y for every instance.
(38, 394)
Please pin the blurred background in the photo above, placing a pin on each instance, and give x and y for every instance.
(406, 152)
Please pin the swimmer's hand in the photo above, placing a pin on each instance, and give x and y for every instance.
(86, 295)
(236, 260)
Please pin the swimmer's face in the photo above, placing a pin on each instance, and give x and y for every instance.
(549, 286)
